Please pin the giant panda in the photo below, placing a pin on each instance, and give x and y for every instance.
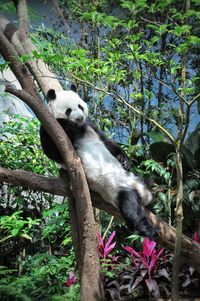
(104, 163)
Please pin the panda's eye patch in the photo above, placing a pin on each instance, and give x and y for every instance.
(68, 111)
(80, 107)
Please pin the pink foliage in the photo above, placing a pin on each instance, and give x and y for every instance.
(71, 279)
(197, 234)
(105, 247)
(148, 257)
(196, 238)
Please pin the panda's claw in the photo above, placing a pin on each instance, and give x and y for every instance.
(134, 214)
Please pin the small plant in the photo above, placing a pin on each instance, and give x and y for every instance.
(44, 276)
(148, 273)
(109, 263)
(14, 225)
(148, 257)
(197, 234)
(57, 228)
(148, 267)
(71, 279)
(189, 277)
(105, 248)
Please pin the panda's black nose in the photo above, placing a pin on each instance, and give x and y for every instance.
(80, 119)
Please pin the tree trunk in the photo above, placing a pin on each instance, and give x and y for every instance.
(83, 219)
(179, 170)
(179, 221)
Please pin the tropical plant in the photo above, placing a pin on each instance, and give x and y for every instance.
(106, 247)
(56, 230)
(15, 225)
(197, 234)
(148, 264)
(44, 276)
(71, 279)
(148, 257)
(21, 148)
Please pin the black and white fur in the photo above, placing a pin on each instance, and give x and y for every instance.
(103, 160)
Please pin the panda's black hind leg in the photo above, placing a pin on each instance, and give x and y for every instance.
(134, 214)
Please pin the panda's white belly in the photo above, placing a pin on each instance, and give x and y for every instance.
(104, 173)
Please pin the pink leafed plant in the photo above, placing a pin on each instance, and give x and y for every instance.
(71, 279)
(148, 257)
(105, 247)
(197, 234)
(196, 238)
(145, 262)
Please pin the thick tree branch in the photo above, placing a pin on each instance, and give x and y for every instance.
(59, 186)
(91, 284)
(53, 185)
(22, 44)
(21, 72)
(80, 189)
(22, 13)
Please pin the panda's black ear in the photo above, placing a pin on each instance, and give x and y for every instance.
(51, 95)
(74, 88)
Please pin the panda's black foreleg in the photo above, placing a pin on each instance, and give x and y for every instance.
(134, 214)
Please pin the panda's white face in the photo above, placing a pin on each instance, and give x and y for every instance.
(68, 105)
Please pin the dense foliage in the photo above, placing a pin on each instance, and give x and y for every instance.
(32, 226)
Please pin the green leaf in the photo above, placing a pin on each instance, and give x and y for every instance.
(181, 30)
(15, 231)
(67, 241)
(162, 29)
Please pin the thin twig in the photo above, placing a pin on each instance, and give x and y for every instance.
(193, 100)
(108, 227)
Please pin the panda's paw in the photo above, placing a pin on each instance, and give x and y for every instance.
(134, 214)
(146, 228)
(143, 227)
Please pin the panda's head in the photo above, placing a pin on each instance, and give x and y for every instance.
(68, 105)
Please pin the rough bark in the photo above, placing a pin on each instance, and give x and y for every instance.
(89, 269)
(190, 251)
(179, 226)
(22, 44)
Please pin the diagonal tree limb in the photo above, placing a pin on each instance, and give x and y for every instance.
(89, 270)
(21, 72)
(80, 191)
(59, 186)
(37, 68)
(22, 44)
